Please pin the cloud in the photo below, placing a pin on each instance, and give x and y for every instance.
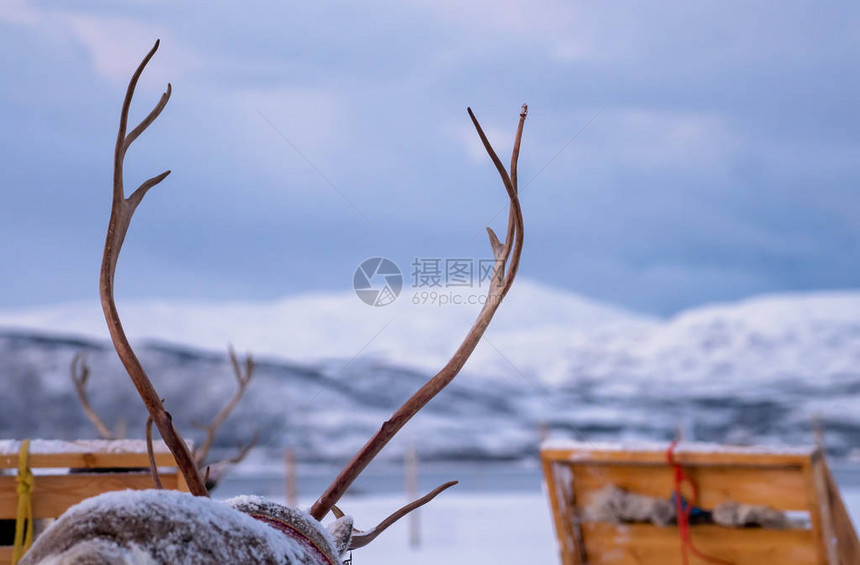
(726, 136)
(464, 134)
(115, 45)
(311, 119)
(19, 12)
(665, 139)
(516, 19)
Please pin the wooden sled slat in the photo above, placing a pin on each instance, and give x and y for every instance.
(641, 544)
(86, 454)
(107, 466)
(791, 480)
(54, 494)
(783, 488)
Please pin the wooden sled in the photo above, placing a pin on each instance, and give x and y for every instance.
(99, 467)
(793, 480)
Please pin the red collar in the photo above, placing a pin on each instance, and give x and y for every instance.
(292, 532)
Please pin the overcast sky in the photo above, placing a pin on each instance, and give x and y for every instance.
(723, 160)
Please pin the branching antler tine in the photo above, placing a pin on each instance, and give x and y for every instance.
(141, 127)
(80, 372)
(514, 263)
(234, 362)
(249, 367)
(439, 381)
(120, 217)
(364, 538)
(498, 247)
(79, 376)
(119, 151)
(245, 450)
(515, 154)
(212, 428)
(338, 513)
(144, 187)
(243, 376)
(506, 180)
(153, 467)
(514, 244)
(514, 233)
(513, 223)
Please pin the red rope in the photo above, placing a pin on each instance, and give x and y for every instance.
(683, 514)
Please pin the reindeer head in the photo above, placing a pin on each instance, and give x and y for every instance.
(161, 526)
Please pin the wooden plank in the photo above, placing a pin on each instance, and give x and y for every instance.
(88, 460)
(815, 516)
(685, 456)
(847, 543)
(793, 480)
(54, 494)
(828, 536)
(561, 514)
(783, 488)
(85, 454)
(5, 555)
(643, 544)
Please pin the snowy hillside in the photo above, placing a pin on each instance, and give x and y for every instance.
(324, 411)
(307, 328)
(752, 371)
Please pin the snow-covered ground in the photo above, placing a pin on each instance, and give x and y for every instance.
(461, 529)
(464, 529)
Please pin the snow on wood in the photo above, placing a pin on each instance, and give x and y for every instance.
(583, 449)
(51, 446)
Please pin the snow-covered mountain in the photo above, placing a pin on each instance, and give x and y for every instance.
(311, 327)
(333, 368)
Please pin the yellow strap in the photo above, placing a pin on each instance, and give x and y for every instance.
(24, 521)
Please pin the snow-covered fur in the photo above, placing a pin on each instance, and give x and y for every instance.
(160, 526)
(735, 515)
(615, 505)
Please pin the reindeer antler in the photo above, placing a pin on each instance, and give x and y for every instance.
(507, 257)
(362, 538)
(122, 211)
(79, 371)
(243, 372)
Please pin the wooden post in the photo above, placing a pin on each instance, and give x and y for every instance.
(290, 472)
(679, 432)
(818, 432)
(412, 494)
(848, 544)
(543, 431)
